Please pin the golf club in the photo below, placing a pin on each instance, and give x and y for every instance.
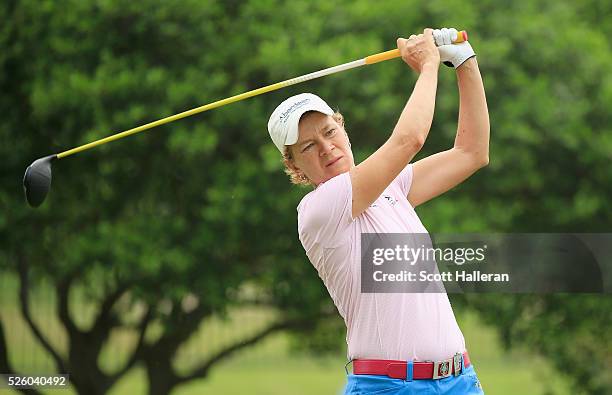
(37, 178)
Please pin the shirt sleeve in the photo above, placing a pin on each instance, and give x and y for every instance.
(325, 214)
(404, 179)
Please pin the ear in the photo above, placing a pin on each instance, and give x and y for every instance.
(291, 164)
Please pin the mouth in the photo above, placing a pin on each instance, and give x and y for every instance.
(334, 161)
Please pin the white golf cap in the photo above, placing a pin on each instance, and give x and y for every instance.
(283, 123)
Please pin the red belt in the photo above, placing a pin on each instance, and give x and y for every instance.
(420, 370)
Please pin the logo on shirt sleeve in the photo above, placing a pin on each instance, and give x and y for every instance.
(391, 201)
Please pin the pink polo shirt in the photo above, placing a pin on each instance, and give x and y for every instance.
(403, 326)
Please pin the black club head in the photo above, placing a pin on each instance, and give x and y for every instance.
(37, 180)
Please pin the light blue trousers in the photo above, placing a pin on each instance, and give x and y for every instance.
(464, 384)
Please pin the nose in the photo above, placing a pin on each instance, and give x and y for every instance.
(327, 149)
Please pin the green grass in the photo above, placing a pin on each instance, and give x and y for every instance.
(269, 367)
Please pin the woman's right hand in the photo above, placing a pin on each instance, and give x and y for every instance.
(419, 50)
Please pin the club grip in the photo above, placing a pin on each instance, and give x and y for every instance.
(395, 53)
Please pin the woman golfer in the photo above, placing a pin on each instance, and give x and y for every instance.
(400, 343)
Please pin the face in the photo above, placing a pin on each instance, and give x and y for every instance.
(323, 150)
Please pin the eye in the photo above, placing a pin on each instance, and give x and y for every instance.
(330, 132)
(307, 147)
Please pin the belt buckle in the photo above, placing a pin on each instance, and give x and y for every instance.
(442, 369)
(458, 362)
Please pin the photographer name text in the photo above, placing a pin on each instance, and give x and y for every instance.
(463, 276)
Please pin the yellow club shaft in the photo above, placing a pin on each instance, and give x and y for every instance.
(175, 117)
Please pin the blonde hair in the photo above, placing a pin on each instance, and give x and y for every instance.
(299, 178)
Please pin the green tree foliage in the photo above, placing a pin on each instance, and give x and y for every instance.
(184, 210)
(201, 207)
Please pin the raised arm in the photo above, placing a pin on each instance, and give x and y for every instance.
(370, 178)
(440, 172)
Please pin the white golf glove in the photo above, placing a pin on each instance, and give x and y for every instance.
(452, 55)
